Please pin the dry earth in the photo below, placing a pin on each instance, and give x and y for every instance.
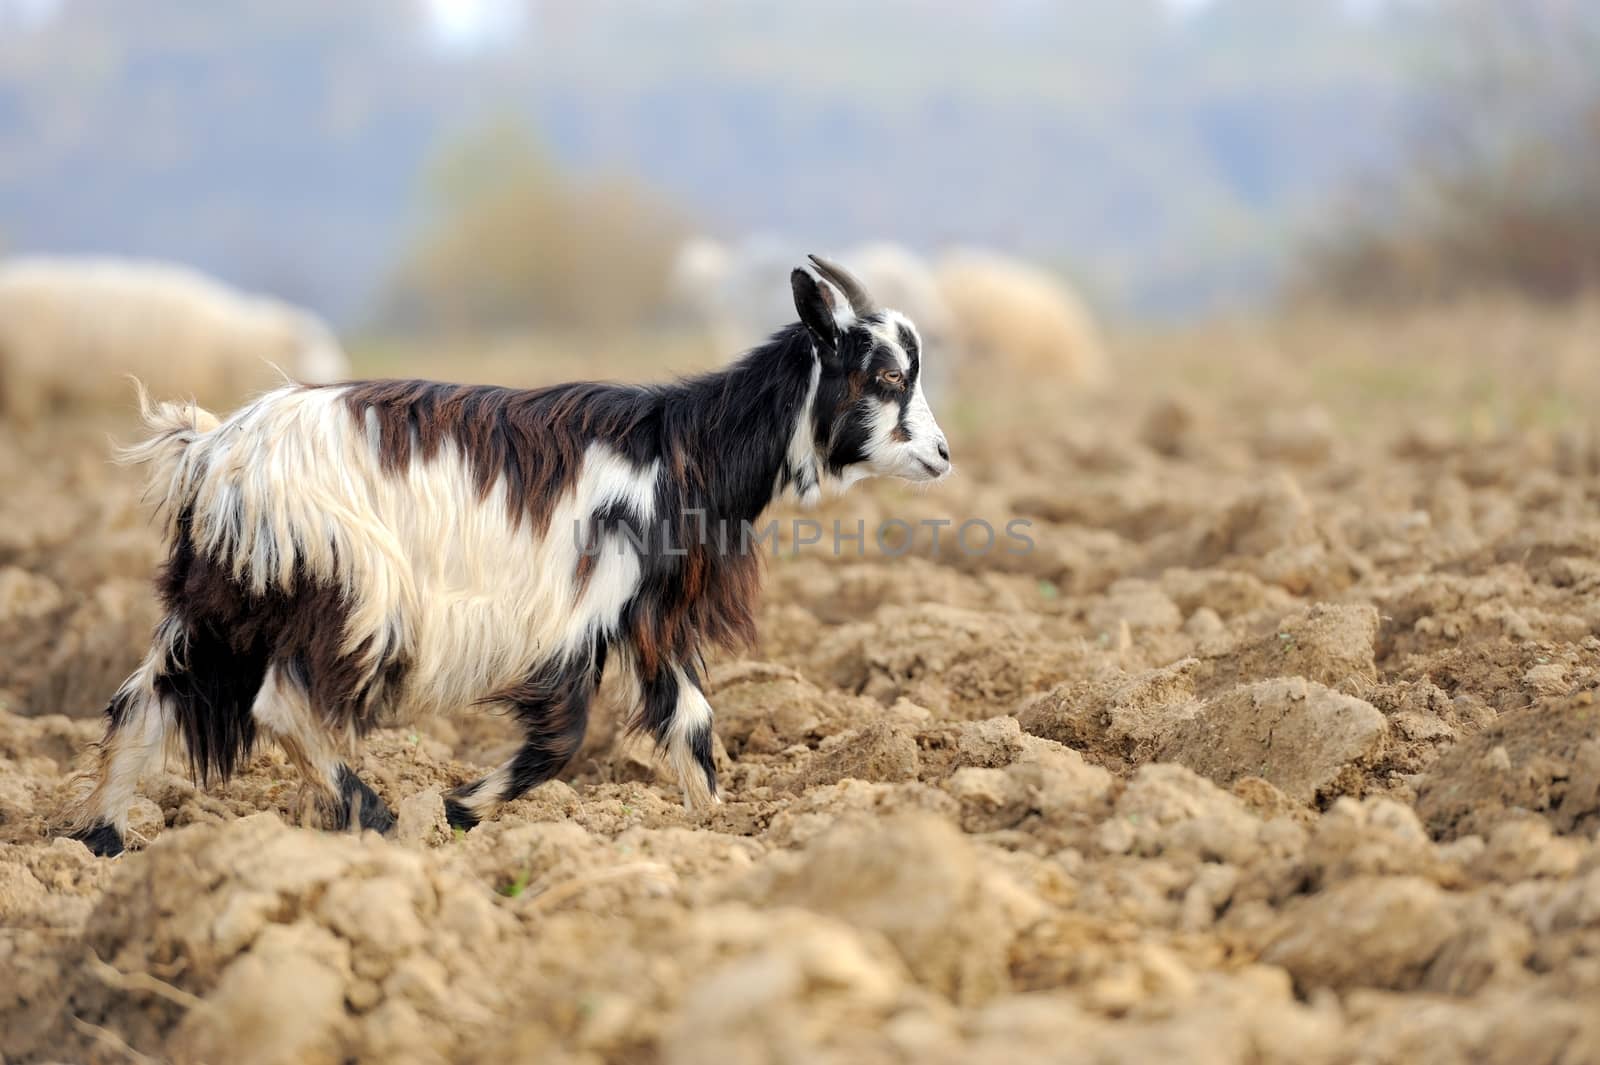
(1282, 745)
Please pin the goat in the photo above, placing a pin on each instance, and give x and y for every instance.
(341, 553)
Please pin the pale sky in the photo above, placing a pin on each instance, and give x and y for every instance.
(468, 23)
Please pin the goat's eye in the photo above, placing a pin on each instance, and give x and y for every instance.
(892, 377)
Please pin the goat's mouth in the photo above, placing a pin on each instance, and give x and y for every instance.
(932, 472)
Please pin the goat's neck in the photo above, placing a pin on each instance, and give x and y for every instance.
(739, 425)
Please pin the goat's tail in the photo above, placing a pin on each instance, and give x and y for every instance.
(174, 427)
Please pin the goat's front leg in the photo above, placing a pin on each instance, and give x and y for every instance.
(553, 706)
(675, 712)
(283, 710)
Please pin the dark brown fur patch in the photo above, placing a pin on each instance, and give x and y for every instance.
(533, 439)
(585, 569)
(231, 637)
(857, 388)
(715, 603)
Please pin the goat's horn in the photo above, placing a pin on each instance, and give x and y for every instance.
(860, 300)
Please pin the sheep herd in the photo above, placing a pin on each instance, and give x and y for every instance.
(984, 313)
(73, 328)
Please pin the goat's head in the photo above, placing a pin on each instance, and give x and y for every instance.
(870, 417)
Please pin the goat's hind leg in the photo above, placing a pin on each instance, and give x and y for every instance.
(140, 730)
(283, 710)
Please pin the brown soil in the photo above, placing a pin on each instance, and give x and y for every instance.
(1281, 746)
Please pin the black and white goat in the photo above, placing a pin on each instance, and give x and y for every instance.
(341, 553)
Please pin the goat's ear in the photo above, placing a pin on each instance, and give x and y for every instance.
(815, 302)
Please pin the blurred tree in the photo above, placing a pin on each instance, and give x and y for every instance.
(511, 241)
(1501, 189)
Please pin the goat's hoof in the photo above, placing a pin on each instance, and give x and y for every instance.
(102, 839)
(378, 817)
(702, 804)
(459, 816)
(360, 804)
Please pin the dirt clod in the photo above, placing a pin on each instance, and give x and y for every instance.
(1293, 733)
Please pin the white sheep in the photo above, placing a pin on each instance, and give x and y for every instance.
(71, 329)
(1015, 320)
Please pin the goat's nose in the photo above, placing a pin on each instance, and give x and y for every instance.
(944, 449)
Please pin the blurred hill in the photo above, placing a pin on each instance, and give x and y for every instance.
(1167, 160)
